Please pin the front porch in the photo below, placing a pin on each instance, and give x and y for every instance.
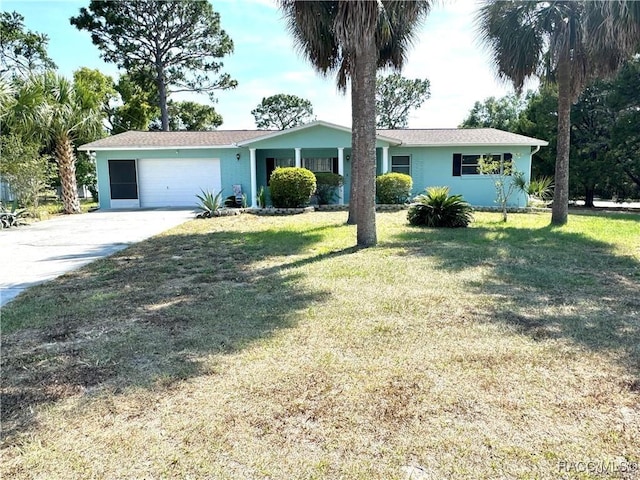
(334, 160)
(319, 147)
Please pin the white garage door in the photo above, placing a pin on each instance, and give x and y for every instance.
(176, 182)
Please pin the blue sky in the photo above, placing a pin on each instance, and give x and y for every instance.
(265, 61)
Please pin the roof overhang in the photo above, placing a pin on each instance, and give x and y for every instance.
(476, 144)
(84, 148)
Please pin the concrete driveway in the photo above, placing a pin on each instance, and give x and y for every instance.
(42, 251)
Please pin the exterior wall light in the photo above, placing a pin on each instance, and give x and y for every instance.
(238, 156)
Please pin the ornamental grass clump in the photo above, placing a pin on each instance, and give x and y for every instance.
(437, 208)
(291, 187)
(393, 188)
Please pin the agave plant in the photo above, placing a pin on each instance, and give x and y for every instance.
(437, 208)
(210, 204)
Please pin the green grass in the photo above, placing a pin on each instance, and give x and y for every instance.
(254, 347)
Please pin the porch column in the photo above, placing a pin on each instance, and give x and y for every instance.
(385, 159)
(254, 182)
(341, 172)
(298, 157)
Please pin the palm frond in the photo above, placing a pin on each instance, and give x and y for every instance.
(511, 31)
(328, 32)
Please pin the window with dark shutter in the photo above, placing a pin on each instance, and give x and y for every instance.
(507, 159)
(457, 164)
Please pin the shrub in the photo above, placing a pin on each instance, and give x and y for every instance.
(13, 217)
(210, 204)
(541, 188)
(291, 187)
(439, 209)
(327, 185)
(393, 188)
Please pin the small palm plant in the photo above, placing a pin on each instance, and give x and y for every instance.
(541, 188)
(437, 208)
(210, 204)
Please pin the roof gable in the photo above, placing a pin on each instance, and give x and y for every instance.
(317, 134)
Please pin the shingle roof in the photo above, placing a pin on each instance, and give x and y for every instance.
(229, 138)
(460, 137)
(136, 140)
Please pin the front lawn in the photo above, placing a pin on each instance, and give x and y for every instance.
(269, 348)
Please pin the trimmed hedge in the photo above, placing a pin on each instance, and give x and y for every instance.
(393, 188)
(327, 184)
(291, 187)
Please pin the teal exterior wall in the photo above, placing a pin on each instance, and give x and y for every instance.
(433, 166)
(232, 171)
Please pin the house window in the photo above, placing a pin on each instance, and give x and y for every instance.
(123, 179)
(470, 164)
(401, 164)
(285, 162)
(273, 163)
(318, 165)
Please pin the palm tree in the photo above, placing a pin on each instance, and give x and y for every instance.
(54, 110)
(353, 38)
(569, 42)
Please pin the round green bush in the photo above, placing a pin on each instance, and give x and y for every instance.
(327, 184)
(393, 188)
(291, 187)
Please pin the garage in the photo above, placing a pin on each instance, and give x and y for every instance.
(175, 183)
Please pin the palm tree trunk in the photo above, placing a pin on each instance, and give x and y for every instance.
(365, 86)
(559, 211)
(67, 170)
(356, 117)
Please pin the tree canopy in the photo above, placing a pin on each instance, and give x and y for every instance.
(396, 96)
(22, 51)
(501, 113)
(282, 111)
(192, 116)
(179, 43)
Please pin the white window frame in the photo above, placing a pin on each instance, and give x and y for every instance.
(392, 166)
(328, 160)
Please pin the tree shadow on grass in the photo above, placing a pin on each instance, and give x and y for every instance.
(153, 314)
(546, 283)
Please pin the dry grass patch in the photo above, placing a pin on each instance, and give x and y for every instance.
(251, 347)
